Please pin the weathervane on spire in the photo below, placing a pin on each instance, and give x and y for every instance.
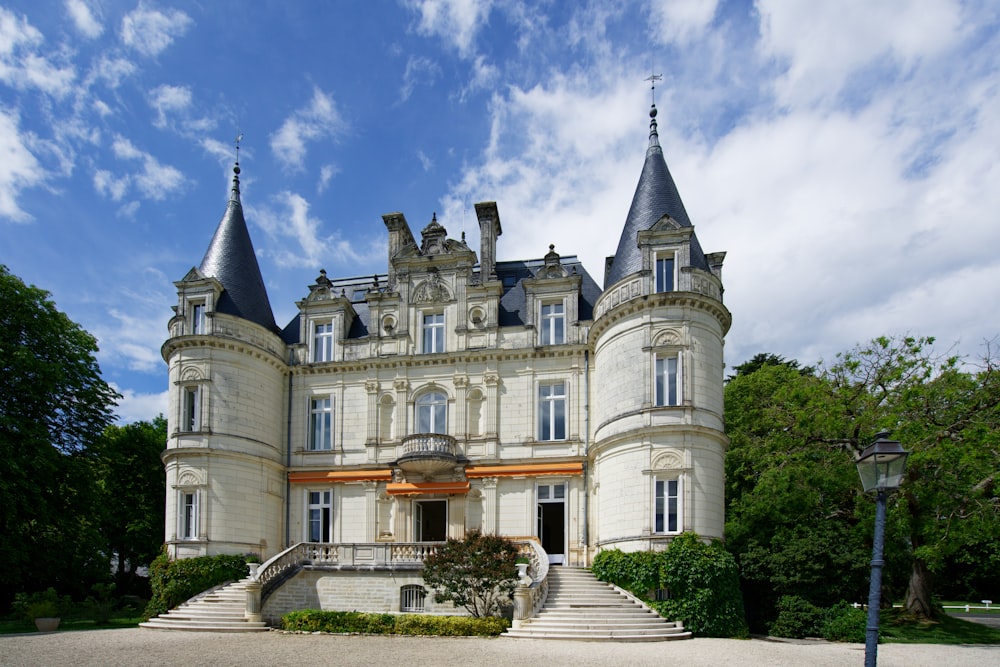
(653, 78)
(239, 138)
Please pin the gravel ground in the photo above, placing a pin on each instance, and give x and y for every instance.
(131, 647)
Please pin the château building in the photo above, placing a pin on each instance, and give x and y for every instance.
(454, 392)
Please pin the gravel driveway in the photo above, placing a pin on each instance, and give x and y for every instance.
(132, 647)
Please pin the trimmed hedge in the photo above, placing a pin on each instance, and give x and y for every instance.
(312, 620)
(703, 581)
(174, 581)
(799, 618)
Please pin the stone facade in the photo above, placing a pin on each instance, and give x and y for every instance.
(453, 392)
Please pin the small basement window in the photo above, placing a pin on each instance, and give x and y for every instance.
(411, 598)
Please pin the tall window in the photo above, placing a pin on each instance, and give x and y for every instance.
(665, 273)
(553, 325)
(187, 528)
(321, 423)
(197, 318)
(552, 411)
(667, 512)
(323, 342)
(433, 333)
(320, 516)
(191, 409)
(668, 379)
(432, 413)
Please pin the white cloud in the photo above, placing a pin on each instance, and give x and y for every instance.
(111, 70)
(825, 43)
(455, 21)
(19, 168)
(318, 120)
(681, 21)
(134, 406)
(150, 31)
(326, 174)
(106, 184)
(84, 19)
(299, 240)
(23, 66)
(419, 71)
(154, 181)
(168, 99)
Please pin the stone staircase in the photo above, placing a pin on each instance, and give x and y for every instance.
(217, 610)
(581, 608)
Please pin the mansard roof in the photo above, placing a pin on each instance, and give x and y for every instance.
(513, 302)
(656, 195)
(231, 260)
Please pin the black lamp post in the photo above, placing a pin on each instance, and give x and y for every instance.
(881, 467)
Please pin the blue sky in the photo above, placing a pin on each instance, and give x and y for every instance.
(845, 154)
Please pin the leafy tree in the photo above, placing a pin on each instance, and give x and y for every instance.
(762, 359)
(53, 404)
(795, 507)
(131, 486)
(477, 572)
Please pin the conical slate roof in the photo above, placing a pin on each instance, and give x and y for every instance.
(231, 260)
(655, 196)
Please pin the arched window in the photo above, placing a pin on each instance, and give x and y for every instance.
(431, 412)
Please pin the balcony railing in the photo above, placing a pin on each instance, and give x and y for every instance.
(428, 453)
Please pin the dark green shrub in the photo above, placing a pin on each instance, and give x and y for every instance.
(174, 581)
(703, 581)
(797, 618)
(844, 623)
(311, 620)
(477, 573)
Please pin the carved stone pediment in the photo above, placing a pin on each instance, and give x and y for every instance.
(193, 275)
(431, 290)
(665, 223)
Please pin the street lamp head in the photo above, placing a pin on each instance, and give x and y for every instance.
(882, 464)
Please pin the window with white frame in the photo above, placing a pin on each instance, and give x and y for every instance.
(667, 505)
(197, 318)
(553, 324)
(319, 516)
(432, 412)
(669, 379)
(191, 408)
(552, 411)
(320, 423)
(322, 341)
(432, 333)
(665, 272)
(187, 515)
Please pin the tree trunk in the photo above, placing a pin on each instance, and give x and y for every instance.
(918, 593)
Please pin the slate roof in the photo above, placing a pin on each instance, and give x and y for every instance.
(655, 196)
(513, 303)
(231, 260)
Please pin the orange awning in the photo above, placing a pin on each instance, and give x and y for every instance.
(524, 470)
(420, 488)
(320, 476)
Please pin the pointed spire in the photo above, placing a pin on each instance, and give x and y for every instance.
(231, 259)
(656, 195)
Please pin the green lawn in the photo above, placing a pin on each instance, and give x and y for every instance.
(8, 626)
(949, 630)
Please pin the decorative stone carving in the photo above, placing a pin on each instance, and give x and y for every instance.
(668, 460)
(431, 290)
(670, 337)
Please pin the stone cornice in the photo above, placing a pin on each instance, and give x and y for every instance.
(637, 304)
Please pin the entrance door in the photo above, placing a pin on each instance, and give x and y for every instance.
(430, 520)
(551, 514)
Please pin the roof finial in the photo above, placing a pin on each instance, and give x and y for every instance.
(235, 194)
(653, 136)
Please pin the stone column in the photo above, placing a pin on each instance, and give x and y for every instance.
(253, 610)
(522, 604)
(401, 386)
(461, 407)
(492, 382)
(371, 510)
(371, 388)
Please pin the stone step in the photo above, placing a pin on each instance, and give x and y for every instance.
(220, 610)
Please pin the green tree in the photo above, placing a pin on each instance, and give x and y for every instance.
(131, 486)
(795, 505)
(477, 572)
(53, 404)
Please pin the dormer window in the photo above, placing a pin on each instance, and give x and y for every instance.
(323, 342)
(432, 333)
(553, 324)
(665, 272)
